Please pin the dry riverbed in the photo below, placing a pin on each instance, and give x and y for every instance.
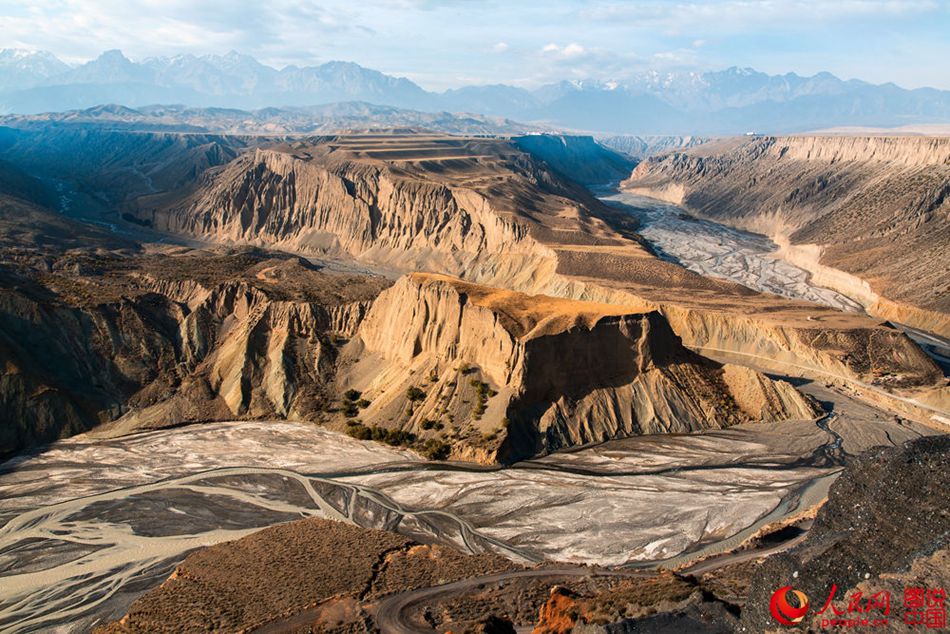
(90, 524)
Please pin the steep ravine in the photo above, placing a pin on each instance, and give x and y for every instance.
(867, 216)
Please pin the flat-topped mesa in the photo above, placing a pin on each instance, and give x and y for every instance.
(866, 216)
(502, 376)
(487, 211)
(909, 151)
(406, 202)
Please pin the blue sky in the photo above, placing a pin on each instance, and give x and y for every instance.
(447, 43)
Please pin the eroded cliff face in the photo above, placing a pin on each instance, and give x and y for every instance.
(123, 350)
(640, 147)
(363, 209)
(483, 210)
(579, 158)
(502, 375)
(868, 216)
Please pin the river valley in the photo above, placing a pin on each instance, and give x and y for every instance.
(90, 524)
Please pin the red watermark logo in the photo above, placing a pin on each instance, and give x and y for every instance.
(923, 607)
(783, 611)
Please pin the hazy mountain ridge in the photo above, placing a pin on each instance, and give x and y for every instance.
(734, 100)
(335, 117)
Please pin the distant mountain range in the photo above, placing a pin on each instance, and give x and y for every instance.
(731, 101)
(298, 120)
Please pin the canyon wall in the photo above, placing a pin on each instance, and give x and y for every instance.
(141, 351)
(579, 158)
(868, 216)
(506, 376)
(354, 210)
(487, 212)
(640, 147)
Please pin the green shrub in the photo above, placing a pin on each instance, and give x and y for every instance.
(360, 432)
(351, 395)
(414, 394)
(350, 409)
(484, 392)
(362, 403)
(436, 449)
(394, 437)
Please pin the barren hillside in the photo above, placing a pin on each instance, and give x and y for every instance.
(502, 376)
(869, 216)
(97, 330)
(483, 210)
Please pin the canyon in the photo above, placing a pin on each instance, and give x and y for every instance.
(510, 221)
(498, 367)
(866, 216)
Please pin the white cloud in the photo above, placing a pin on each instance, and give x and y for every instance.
(568, 51)
(80, 29)
(441, 41)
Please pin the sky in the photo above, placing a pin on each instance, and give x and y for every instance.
(449, 43)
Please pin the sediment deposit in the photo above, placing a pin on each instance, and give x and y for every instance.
(867, 216)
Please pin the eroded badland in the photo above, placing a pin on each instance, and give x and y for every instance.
(461, 299)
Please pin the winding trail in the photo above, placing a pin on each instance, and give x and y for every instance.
(391, 615)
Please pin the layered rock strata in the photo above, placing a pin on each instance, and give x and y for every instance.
(867, 216)
(504, 375)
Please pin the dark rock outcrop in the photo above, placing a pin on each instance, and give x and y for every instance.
(887, 512)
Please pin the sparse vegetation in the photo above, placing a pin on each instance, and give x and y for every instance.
(394, 437)
(436, 449)
(359, 431)
(352, 403)
(428, 423)
(414, 394)
(484, 392)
